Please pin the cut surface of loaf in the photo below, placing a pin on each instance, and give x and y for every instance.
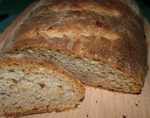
(105, 36)
(29, 86)
(93, 73)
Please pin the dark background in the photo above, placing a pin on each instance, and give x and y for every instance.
(9, 9)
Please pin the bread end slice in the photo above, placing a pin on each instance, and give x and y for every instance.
(29, 86)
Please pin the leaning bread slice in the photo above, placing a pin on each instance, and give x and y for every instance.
(90, 72)
(29, 86)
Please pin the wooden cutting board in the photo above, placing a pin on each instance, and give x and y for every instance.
(100, 103)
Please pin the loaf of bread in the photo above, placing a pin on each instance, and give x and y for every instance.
(29, 85)
(100, 42)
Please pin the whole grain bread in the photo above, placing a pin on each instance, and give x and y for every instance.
(29, 86)
(100, 42)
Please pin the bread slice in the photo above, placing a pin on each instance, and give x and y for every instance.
(100, 42)
(29, 86)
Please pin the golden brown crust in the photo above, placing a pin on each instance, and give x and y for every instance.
(34, 112)
(105, 30)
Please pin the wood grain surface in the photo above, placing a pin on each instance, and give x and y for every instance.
(101, 103)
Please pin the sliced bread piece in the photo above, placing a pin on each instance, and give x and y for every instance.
(29, 86)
